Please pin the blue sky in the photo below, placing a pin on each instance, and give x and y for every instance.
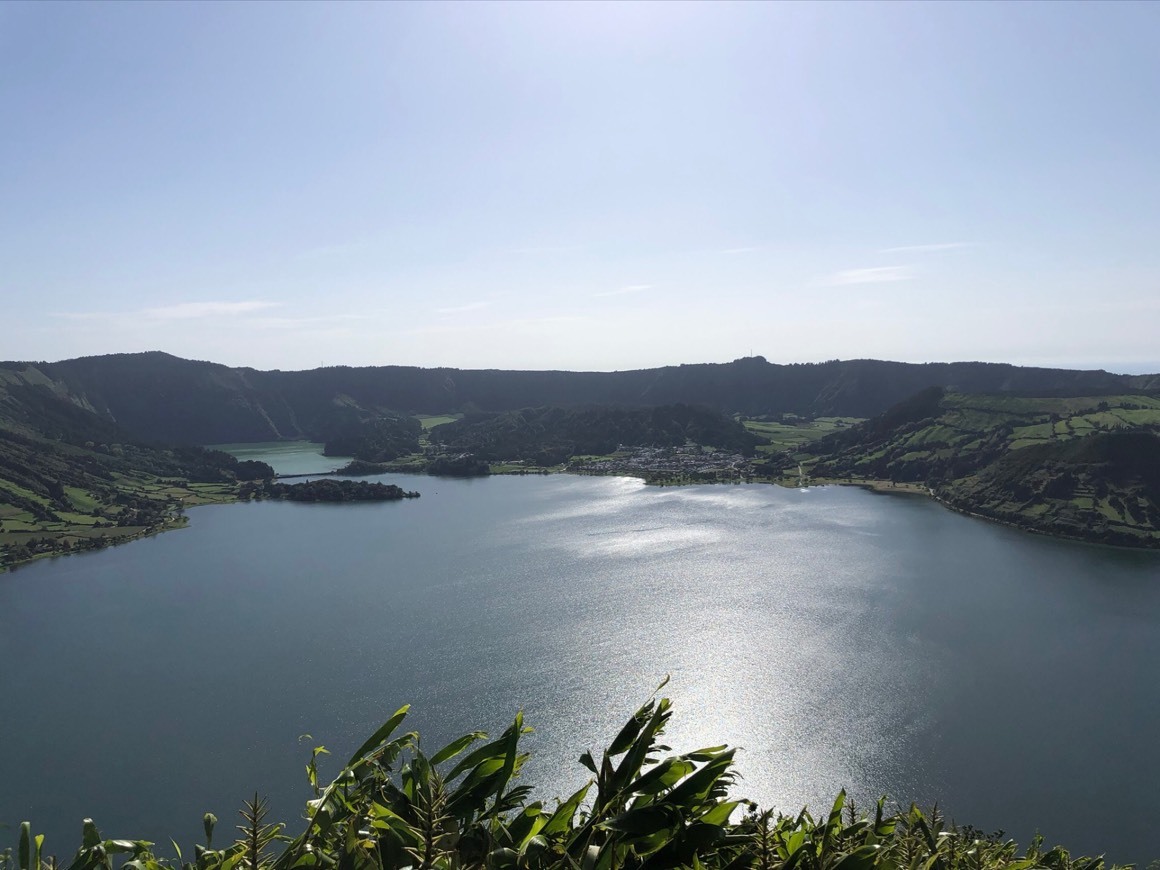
(581, 185)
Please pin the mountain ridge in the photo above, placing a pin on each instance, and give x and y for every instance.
(160, 397)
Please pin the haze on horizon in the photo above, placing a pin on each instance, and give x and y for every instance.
(581, 185)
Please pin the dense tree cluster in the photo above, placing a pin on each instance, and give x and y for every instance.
(325, 491)
(463, 465)
(379, 439)
(551, 435)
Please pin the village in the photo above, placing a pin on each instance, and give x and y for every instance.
(668, 464)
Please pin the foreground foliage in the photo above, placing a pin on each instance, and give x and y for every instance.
(394, 806)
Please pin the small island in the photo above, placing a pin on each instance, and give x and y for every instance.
(326, 490)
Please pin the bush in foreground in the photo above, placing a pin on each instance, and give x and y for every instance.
(393, 806)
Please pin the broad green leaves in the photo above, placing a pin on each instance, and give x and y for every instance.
(393, 807)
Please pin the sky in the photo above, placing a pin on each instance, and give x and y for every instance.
(586, 186)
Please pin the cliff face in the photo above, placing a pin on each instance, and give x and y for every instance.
(159, 397)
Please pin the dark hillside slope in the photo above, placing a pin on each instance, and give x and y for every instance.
(160, 397)
(71, 479)
(163, 398)
(549, 436)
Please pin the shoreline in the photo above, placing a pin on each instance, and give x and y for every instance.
(884, 487)
(876, 486)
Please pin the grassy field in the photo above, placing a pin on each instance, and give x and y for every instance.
(430, 421)
(792, 434)
(1042, 420)
(94, 522)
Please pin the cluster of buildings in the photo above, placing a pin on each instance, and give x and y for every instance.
(689, 463)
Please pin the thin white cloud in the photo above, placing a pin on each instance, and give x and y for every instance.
(190, 310)
(927, 249)
(872, 275)
(547, 249)
(460, 309)
(179, 311)
(526, 325)
(82, 315)
(303, 322)
(740, 250)
(631, 288)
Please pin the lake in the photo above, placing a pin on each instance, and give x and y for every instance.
(842, 638)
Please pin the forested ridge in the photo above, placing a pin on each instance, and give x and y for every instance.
(159, 397)
(550, 436)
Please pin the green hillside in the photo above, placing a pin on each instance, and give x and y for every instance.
(1084, 466)
(71, 480)
(82, 460)
(57, 497)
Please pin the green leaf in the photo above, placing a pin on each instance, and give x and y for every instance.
(380, 735)
(720, 814)
(526, 824)
(456, 746)
(630, 730)
(700, 785)
(703, 837)
(564, 814)
(663, 776)
(511, 756)
(863, 858)
(488, 750)
(644, 822)
(533, 847)
(634, 759)
(25, 851)
(503, 858)
(90, 836)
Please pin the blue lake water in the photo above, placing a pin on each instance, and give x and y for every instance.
(287, 457)
(843, 639)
